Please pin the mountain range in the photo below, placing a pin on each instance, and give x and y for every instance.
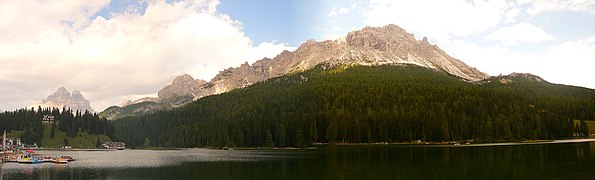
(368, 104)
(373, 85)
(371, 46)
(62, 98)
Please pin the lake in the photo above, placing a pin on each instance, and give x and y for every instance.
(537, 161)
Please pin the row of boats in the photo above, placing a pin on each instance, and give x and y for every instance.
(38, 159)
(28, 157)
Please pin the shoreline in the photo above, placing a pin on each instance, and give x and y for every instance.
(316, 146)
(72, 149)
(561, 141)
(515, 143)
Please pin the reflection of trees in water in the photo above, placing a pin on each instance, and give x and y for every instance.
(583, 150)
(60, 171)
(518, 161)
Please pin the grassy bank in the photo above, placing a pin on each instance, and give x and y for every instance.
(81, 140)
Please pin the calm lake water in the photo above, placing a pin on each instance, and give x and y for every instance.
(542, 161)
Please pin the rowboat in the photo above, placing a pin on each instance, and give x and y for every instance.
(59, 161)
(10, 159)
(47, 159)
(29, 161)
(67, 158)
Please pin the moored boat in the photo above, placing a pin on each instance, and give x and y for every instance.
(23, 160)
(10, 159)
(29, 161)
(67, 158)
(59, 161)
(47, 159)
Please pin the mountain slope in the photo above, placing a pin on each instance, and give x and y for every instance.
(360, 104)
(181, 91)
(369, 47)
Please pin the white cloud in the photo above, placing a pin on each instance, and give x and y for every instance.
(493, 60)
(341, 10)
(522, 32)
(437, 19)
(540, 6)
(58, 43)
(569, 62)
(511, 15)
(26, 21)
(266, 49)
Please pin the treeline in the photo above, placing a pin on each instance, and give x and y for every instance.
(30, 121)
(366, 105)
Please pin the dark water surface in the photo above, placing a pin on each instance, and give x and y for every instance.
(543, 161)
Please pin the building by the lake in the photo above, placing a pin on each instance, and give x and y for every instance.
(114, 145)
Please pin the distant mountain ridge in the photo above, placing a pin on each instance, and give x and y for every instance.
(62, 98)
(365, 104)
(371, 46)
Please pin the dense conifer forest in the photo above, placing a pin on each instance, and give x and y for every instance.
(367, 105)
(65, 120)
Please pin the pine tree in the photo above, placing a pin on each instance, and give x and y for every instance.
(331, 133)
(314, 131)
(299, 137)
(97, 143)
(53, 130)
(282, 136)
(269, 139)
(146, 144)
(238, 137)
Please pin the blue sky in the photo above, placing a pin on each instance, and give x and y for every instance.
(258, 17)
(292, 22)
(119, 50)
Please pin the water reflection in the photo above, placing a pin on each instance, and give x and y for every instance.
(558, 161)
(551, 161)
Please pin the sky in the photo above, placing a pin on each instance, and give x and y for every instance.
(118, 50)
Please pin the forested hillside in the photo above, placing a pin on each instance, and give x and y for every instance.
(71, 123)
(367, 104)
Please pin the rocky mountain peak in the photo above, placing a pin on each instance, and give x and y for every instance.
(62, 98)
(381, 38)
(77, 94)
(182, 86)
(425, 40)
(61, 92)
(183, 80)
(393, 45)
(525, 76)
(245, 64)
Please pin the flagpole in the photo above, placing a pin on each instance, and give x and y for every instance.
(3, 145)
